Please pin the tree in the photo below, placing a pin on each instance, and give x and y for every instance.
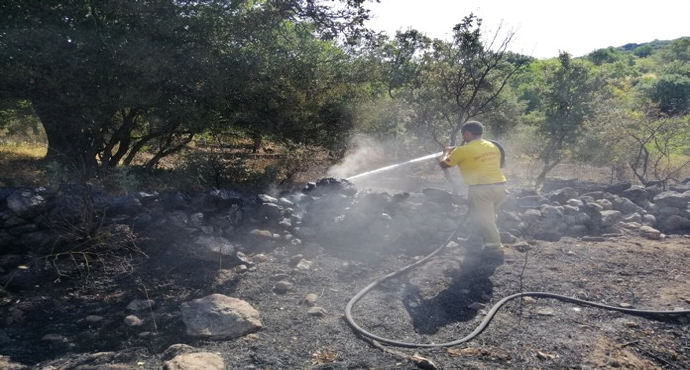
(462, 79)
(567, 99)
(107, 79)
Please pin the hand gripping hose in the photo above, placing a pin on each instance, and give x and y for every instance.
(489, 316)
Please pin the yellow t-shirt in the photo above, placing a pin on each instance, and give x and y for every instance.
(479, 162)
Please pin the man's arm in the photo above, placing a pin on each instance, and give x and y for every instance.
(444, 159)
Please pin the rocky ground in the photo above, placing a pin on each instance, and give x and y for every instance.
(296, 285)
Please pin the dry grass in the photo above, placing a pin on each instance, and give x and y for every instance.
(20, 164)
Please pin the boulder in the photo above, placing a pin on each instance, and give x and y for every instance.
(212, 248)
(610, 218)
(672, 199)
(26, 203)
(675, 224)
(220, 317)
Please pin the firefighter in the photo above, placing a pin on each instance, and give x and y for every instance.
(480, 163)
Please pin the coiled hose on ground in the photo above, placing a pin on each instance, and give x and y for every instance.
(489, 316)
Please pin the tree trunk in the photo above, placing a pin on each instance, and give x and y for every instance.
(68, 140)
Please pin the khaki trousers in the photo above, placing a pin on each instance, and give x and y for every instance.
(485, 200)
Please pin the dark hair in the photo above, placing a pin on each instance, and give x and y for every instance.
(473, 127)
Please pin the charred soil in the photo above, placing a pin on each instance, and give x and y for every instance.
(427, 305)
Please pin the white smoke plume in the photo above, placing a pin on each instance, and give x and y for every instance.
(367, 155)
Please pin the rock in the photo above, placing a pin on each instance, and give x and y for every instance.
(476, 306)
(563, 195)
(141, 305)
(317, 311)
(92, 319)
(625, 206)
(531, 215)
(668, 211)
(610, 218)
(212, 248)
(259, 258)
(546, 312)
(220, 317)
(529, 300)
(605, 204)
(672, 199)
(330, 185)
(649, 220)
(579, 218)
(310, 299)
(650, 233)
(675, 224)
(551, 212)
(133, 321)
(617, 188)
(532, 201)
(636, 195)
(176, 350)
(26, 203)
(7, 364)
(264, 234)
(304, 265)
(632, 217)
(195, 361)
(282, 287)
(52, 337)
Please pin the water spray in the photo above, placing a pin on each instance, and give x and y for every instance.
(387, 168)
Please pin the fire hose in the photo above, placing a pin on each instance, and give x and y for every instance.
(489, 316)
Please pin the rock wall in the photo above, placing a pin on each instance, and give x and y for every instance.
(226, 225)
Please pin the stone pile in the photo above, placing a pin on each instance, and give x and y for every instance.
(226, 225)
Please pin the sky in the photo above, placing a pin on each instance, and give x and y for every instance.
(543, 28)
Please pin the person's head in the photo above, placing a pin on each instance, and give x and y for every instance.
(471, 130)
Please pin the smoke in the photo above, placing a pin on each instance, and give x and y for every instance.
(367, 154)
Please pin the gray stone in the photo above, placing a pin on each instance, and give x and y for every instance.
(532, 201)
(579, 218)
(610, 218)
(195, 361)
(133, 321)
(626, 206)
(675, 224)
(649, 220)
(650, 233)
(220, 317)
(141, 305)
(26, 203)
(317, 311)
(531, 215)
(632, 217)
(672, 199)
(264, 198)
(282, 287)
(575, 202)
(668, 211)
(551, 212)
(605, 204)
(212, 248)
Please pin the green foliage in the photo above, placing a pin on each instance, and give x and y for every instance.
(567, 99)
(602, 56)
(110, 78)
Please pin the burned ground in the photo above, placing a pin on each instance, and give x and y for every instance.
(427, 305)
(48, 322)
